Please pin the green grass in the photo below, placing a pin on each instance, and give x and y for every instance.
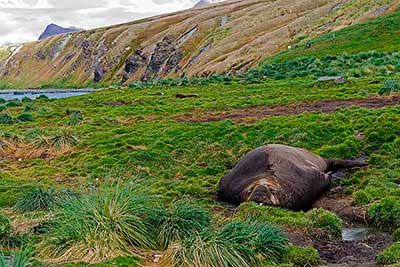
(301, 257)
(390, 255)
(99, 226)
(235, 244)
(380, 34)
(317, 223)
(177, 222)
(136, 135)
(42, 199)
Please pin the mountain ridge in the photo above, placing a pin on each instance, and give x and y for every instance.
(229, 38)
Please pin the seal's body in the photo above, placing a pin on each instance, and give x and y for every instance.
(282, 176)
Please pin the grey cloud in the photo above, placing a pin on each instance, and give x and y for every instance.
(26, 20)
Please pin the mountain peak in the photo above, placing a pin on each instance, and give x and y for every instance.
(54, 29)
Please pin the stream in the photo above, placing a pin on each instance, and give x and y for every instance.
(50, 93)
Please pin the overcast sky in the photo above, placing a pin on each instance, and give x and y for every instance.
(25, 20)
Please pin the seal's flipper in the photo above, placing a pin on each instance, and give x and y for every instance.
(335, 164)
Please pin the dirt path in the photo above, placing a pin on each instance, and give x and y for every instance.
(325, 106)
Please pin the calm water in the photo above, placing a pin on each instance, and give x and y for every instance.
(33, 94)
(356, 233)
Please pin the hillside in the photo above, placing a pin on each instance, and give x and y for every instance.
(228, 38)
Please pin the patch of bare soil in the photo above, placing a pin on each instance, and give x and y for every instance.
(325, 106)
(337, 202)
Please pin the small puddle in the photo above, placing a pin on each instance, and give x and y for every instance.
(356, 233)
(52, 94)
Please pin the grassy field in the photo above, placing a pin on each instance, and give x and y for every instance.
(128, 176)
(124, 136)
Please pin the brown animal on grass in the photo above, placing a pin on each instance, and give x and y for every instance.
(281, 176)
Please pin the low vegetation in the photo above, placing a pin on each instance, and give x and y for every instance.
(168, 168)
(235, 244)
(178, 222)
(42, 199)
(390, 256)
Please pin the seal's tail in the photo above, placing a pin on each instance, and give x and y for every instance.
(335, 164)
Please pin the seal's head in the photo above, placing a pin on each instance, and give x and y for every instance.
(263, 192)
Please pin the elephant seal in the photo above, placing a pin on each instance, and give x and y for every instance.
(281, 176)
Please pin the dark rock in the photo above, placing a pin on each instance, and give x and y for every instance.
(164, 49)
(40, 55)
(136, 61)
(194, 59)
(86, 48)
(99, 72)
(174, 60)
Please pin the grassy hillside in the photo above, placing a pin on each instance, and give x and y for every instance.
(380, 34)
(4, 53)
(198, 42)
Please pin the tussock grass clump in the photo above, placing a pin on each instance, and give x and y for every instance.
(324, 224)
(300, 257)
(177, 222)
(42, 199)
(6, 119)
(389, 86)
(9, 240)
(234, 245)
(316, 223)
(386, 213)
(22, 258)
(99, 226)
(25, 117)
(390, 255)
(5, 227)
(39, 147)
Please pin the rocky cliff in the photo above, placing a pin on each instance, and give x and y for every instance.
(229, 38)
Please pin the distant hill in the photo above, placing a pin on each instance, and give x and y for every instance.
(54, 29)
(202, 3)
(229, 38)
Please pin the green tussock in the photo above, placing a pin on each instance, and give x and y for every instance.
(99, 226)
(42, 199)
(301, 257)
(235, 244)
(390, 255)
(177, 222)
(317, 223)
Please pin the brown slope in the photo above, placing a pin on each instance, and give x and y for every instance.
(229, 37)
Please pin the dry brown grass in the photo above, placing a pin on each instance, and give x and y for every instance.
(41, 147)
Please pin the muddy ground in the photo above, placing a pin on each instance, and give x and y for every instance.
(360, 252)
(254, 113)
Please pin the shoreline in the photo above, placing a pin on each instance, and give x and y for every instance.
(47, 91)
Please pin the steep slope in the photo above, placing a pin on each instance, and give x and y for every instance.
(53, 29)
(229, 37)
